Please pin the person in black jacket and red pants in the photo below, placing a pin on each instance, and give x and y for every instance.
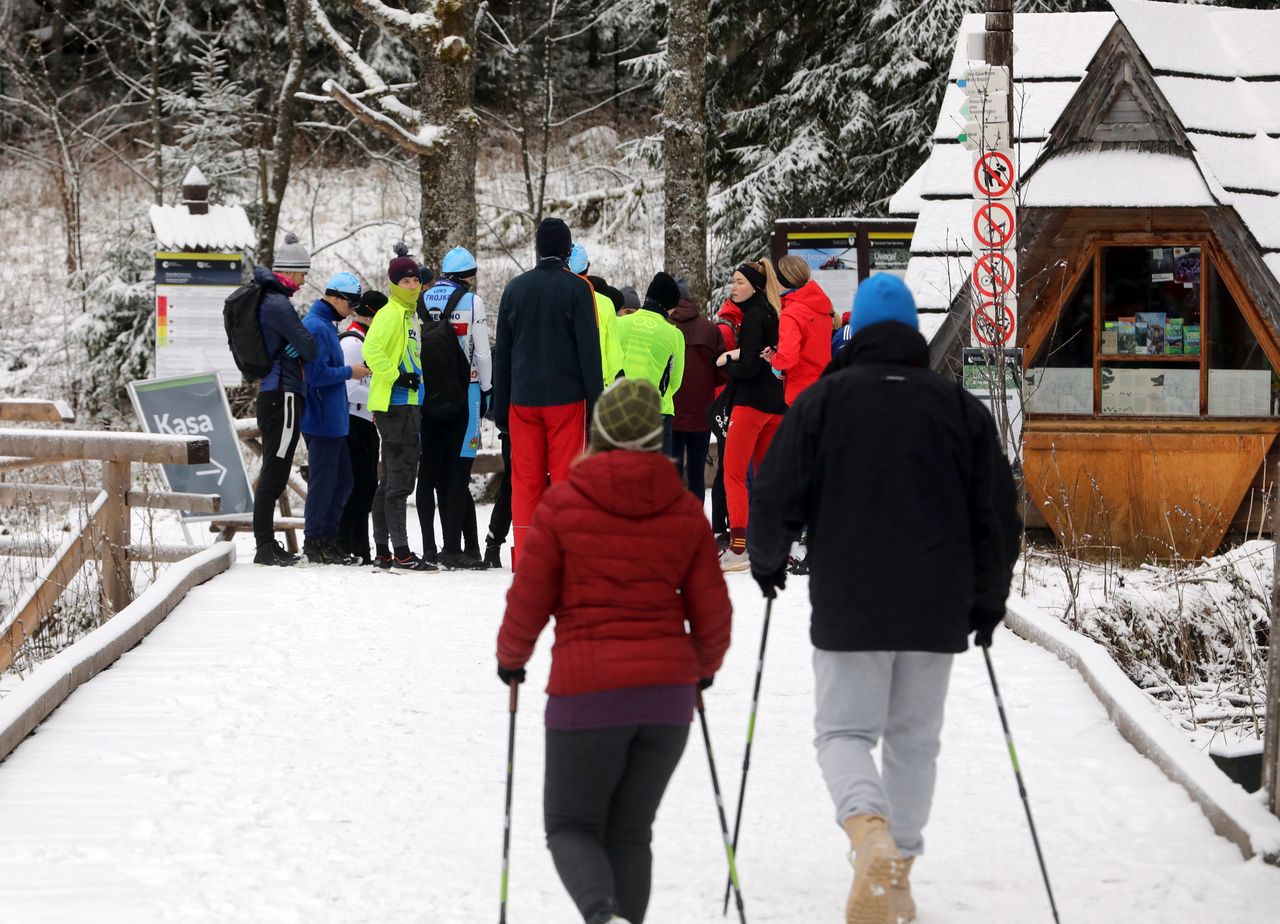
(758, 402)
(546, 372)
(900, 477)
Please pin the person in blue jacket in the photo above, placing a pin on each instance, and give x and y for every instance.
(325, 421)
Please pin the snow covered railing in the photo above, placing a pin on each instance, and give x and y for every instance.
(31, 702)
(1234, 814)
(35, 410)
(104, 532)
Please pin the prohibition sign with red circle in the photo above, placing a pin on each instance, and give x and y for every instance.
(986, 266)
(985, 328)
(997, 218)
(997, 166)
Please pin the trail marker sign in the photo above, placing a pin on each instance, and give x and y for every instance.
(196, 405)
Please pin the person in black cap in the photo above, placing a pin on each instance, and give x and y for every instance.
(362, 436)
(546, 371)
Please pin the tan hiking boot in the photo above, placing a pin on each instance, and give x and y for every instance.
(903, 906)
(877, 870)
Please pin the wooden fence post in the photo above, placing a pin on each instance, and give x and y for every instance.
(117, 580)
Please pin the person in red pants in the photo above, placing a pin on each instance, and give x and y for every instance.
(546, 372)
(758, 400)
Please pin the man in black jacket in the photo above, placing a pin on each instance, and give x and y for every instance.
(899, 476)
(546, 372)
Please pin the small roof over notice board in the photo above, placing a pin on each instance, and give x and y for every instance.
(196, 225)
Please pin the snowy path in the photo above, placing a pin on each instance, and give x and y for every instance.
(328, 745)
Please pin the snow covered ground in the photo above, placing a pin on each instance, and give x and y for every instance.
(328, 744)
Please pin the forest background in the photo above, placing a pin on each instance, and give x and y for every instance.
(668, 135)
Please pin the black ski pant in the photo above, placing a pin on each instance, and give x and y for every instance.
(465, 505)
(398, 428)
(500, 516)
(719, 504)
(691, 460)
(279, 415)
(600, 797)
(438, 470)
(362, 447)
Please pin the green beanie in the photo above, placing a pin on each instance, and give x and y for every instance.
(628, 416)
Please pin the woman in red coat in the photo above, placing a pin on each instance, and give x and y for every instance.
(804, 328)
(623, 557)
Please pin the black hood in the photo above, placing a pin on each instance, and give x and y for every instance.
(888, 342)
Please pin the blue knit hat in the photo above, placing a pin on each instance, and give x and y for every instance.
(458, 261)
(578, 259)
(883, 297)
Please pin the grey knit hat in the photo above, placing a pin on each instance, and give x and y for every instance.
(292, 257)
(628, 415)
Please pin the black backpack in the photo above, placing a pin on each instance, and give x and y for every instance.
(244, 335)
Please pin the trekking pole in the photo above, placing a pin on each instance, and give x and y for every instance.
(1017, 772)
(506, 827)
(724, 822)
(751, 732)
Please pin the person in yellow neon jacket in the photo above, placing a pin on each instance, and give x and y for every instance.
(653, 347)
(606, 318)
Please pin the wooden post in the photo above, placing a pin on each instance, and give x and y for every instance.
(999, 44)
(117, 582)
(1271, 730)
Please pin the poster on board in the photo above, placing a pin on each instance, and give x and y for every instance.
(890, 252)
(833, 260)
(196, 405)
(190, 290)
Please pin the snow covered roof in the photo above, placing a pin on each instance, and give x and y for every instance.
(1217, 67)
(225, 227)
(194, 177)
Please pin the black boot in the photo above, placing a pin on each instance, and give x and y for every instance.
(493, 556)
(274, 554)
(339, 555)
(461, 561)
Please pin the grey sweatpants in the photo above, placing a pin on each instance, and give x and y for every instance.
(399, 428)
(863, 697)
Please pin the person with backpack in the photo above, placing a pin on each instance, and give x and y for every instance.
(287, 346)
(606, 316)
(547, 371)
(455, 291)
(758, 403)
(898, 473)
(728, 323)
(446, 379)
(691, 436)
(621, 555)
(362, 435)
(393, 352)
(324, 422)
(804, 328)
(653, 347)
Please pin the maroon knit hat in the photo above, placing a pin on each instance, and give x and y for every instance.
(403, 265)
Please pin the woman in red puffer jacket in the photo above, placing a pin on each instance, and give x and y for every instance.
(622, 555)
(804, 328)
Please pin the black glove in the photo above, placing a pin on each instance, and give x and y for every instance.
(984, 627)
(486, 404)
(409, 380)
(507, 676)
(771, 583)
(706, 682)
(370, 302)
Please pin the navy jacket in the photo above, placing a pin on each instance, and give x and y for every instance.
(325, 410)
(899, 475)
(548, 349)
(280, 325)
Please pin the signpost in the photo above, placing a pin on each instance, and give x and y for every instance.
(196, 405)
(190, 290)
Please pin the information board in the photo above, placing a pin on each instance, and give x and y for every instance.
(833, 261)
(980, 377)
(196, 405)
(190, 290)
(841, 252)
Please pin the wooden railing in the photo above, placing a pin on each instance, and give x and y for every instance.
(104, 533)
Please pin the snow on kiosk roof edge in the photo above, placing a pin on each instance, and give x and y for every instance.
(225, 226)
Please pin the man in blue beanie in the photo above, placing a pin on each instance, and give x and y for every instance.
(899, 476)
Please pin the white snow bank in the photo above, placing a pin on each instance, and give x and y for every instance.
(1117, 179)
(1233, 812)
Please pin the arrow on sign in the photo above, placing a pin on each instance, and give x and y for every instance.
(220, 471)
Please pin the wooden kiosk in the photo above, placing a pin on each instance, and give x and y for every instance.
(1149, 254)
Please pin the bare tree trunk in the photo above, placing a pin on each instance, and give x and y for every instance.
(522, 101)
(548, 103)
(684, 145)
(276, 179)
(448, 175)
(157, 124)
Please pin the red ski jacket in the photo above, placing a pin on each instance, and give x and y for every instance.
(804, 338)
(622, 555)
